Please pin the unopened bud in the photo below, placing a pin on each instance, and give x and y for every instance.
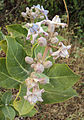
(54, 40)
(42, 17)
(33, 65)
(39, 56)
(27, 10)
(56, 33)
(39, 68)
(28, 60)
(24, 14)
(42, 41)
(47, 64)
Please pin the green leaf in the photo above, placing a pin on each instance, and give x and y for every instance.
(62, 77)
(60, 87)
(16, 65)
(6, 81)
(3, 45)
(31, 113)
(2, 117)
(26, 45)
(6, 98)
(22, 106)
(53, 96)
(16, 30)
(8, 112)
(2, 36)
(61, 38)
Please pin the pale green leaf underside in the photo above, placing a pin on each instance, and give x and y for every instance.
(16, 64)
(6, 81)
(8, 112)
(23, 106)
(6, 98)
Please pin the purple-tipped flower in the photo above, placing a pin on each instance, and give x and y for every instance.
(42, 41)
(42, 10)
(62, 52)
(34, 96)
(29, 60)
(47, 64)
(45, 12)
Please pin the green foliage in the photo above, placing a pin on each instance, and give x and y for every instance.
(7, 112)
(61, 81)
(6, 81)
(6, 98)
(15, 60)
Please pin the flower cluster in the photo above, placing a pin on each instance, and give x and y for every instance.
(33, 92)
(35, 12)
(47, 39)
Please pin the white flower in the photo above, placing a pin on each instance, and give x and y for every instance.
(34, 96)
(54, 23)
(62, 52)
(34, 36)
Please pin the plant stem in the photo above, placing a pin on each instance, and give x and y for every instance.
(66, 12)
(45, 53)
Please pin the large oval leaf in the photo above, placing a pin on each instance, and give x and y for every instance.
(16, 30)
(6, 98)
(8, 112)
(16, 64)
(6, 81)
(61, 77)
(60, 87)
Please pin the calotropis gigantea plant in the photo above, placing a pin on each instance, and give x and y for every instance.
(31, 50)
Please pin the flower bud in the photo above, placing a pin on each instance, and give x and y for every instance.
(42, 41)
(39, 56)
(28, 60)
(27, 10)
(24, 14)
(33, 65)
(56, 33)
(54, 40)
(42, 17)
(47, 64)
(39, 68)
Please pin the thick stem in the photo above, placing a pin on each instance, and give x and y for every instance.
(66, 12)
(45, 53)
